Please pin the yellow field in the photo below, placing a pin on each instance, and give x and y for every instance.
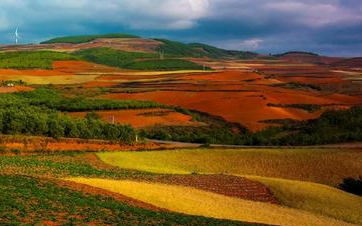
(317, 198)
(196, 202)
(44, 80)
(321, 166)
(140, 73)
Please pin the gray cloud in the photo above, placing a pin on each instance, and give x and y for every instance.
(324, 26)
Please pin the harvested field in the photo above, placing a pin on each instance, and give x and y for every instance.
(316, 198)
(43, 80)
(144, 118)
(201, 203)
(326, 166)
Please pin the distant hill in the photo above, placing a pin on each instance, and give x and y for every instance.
(296, 53)
(215, 52)
(86, 38)
(167, 47)
(306, 57)
(352, 62)
(201, 50)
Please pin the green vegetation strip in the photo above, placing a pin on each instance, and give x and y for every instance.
(135, 60)
(86, 38)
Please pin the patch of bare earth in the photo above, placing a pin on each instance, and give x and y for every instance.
(222, 184)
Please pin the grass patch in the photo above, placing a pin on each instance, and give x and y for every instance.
(32, 59)
(111, 57)
(86, 38)
(27, 201)
(316, 198)
(320, 166)
(196, 202)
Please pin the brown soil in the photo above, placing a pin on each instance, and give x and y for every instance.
(223, 184)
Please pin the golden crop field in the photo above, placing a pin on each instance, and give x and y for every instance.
(315, 165)
(196, 202)
(317, 198)
(44, 80)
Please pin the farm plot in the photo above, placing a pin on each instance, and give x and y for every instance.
(321, 166)
(316, 198)
(247, 106)
(144, 118)
(201, 203)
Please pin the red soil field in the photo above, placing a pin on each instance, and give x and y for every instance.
(34, 144)
(15, 89)
(247, 107)
(144, 118)
(76, 67)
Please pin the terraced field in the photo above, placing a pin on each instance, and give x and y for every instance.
(230, 95)
(196, 202)
(321, 166)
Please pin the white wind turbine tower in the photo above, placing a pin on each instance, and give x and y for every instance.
(16, 36)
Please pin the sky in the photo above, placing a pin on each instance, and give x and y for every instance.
(327, 27)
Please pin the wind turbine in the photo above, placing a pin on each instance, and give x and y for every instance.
(16, 36)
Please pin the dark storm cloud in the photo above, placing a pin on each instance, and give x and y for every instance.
(331, 27)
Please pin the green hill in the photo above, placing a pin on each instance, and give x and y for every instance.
(215, 52)
(86, 38)
(200, 50)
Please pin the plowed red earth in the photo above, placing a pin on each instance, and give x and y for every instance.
(33, 144)
(245, 102)
(79, 67)
(144, 118)
(223, 184)
(15, 89)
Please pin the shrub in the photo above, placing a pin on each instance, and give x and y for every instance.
(352, 185)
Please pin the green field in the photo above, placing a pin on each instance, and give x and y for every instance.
(315, 165)
(135, 60)
(32, 59)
